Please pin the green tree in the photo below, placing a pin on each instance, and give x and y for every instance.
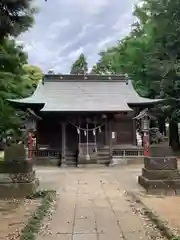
(32, 76)
(12, 84)
(16, 17)
(51, 72)
(150, 55)
(163, 17)
(80, 66)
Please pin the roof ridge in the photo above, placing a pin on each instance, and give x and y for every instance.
(84, 77)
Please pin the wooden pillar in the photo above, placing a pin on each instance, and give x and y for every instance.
(106, 133)
(87, 142)
(110, 142)
(79, 133)
(37, 135)
(134, 140)
(95, 137)
(63, 146)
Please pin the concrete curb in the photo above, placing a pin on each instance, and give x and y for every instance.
(166, 231)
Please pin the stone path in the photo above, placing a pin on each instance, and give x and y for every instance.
(91, 205)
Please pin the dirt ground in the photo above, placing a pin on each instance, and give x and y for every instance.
(166, 207)
(14, 215)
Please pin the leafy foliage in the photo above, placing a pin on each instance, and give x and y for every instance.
(16, 17)
(15, 80)
(51, 72)
(32, 75)
(12, 58)
(34, 223)
(80, 66)
(150, 55)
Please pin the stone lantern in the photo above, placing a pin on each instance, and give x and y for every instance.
(145, 123)
(160, 173)
(30, 124)
(144, 118)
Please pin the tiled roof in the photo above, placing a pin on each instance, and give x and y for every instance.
(85, 93)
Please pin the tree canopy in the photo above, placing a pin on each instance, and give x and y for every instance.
(17, 79)
(80, 66)
(150, 55)
(16, 17)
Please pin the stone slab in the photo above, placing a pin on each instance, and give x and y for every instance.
(159, 163)
(17, 177)
(16, 166)
(18, 190)
(160, 150)
(58, 237)
(109, 236)
(93, 198)
(86, 225)
(160, 174)
(158, 184)
(15, 152)
(85, 237)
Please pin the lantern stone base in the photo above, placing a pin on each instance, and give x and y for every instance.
(160, 173)
(17, 179)
(161, 186)
(18, 189)
(160, 150)
(160, 163)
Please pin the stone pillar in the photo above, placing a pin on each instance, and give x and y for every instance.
(63, 146)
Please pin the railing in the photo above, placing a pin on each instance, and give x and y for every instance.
(46, 153)
(128, 153)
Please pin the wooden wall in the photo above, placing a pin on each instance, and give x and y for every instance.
(49, 133)
(123, 129)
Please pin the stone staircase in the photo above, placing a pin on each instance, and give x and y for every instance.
(101, 157)
(71, 158)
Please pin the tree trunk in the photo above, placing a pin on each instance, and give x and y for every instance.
(173, 135)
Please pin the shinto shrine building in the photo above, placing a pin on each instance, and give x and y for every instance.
(84, 118)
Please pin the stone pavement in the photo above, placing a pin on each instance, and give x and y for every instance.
(92, 204)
